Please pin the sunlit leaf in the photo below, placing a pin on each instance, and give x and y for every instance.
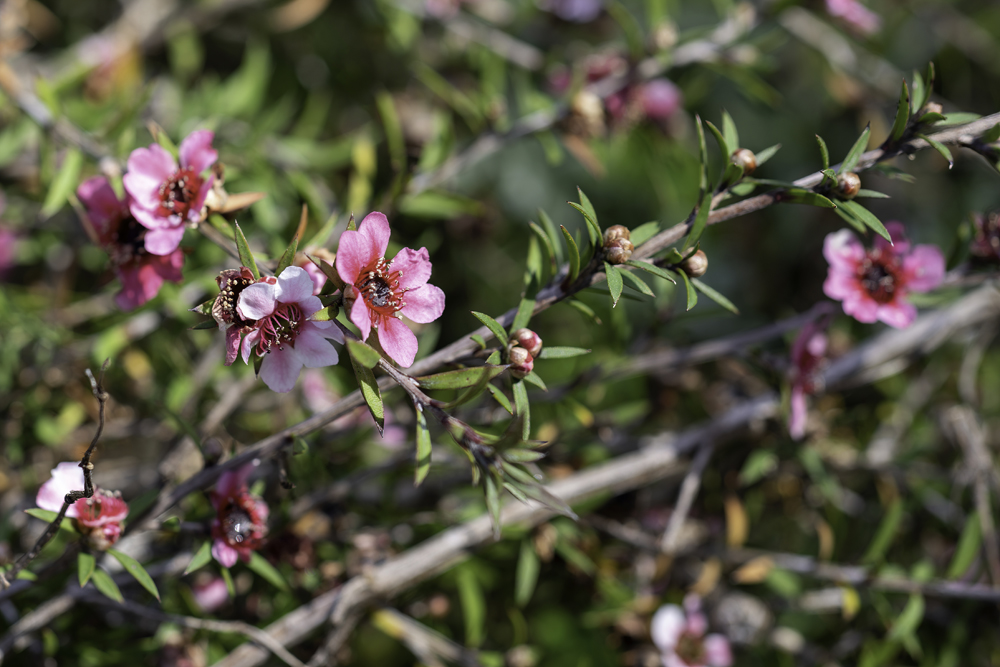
(201, 558)
(494, 327)
(135, 568)
(246, 257)
(615, 284)
(106, 585)
(573, 254)
(363, 353)
(85, 565)
(715, 296)
(423, 463)
(857, 150)
(458, 379)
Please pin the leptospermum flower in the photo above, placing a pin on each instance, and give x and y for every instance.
(680, 636)
(378, 294)
(240, 524)
(165, 196)
(873, 283)
(142, 273)
(808, 353)
(855, 16)
(282, 333)
(98, 518)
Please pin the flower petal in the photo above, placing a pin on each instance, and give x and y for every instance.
(667, 626)
(195, 211)
(257, 301)
(354, 253)
(923, 268)
(897, 232)
(196, 151)
(140, 283)
(294, 285)
(280, 369)
(149, 219)
(398, 341)
(313, 348)
(376, 227)
(232, 344)
(224, 554)
(843, 251)
(797, 413)
(249, 342)
(360, 315)
(840, 284)
(66, 477)
(164, 241)
(424, 304)
(717, 651)
(102, 204)
(148, 169)
(233, 482)
(861, 307)
(415, 266)
(897, 313)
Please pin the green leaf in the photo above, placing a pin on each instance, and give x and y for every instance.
(363, 353)
(885, 534)
(644, 232)
(700, 220)
(49, 516)
(920, 92)
(871, 194)
(523, 408)
(958, 118)
(637, 282)
(501, 398)
(207, 324)
(758, 465)
(423, 463)
(652, 268)
(593, 231)
(138, 572)
(246, 257)
(262, 567)
(464, 377)
(715, 296)
(228, 578)
(692, 296)
(478, 340)
(493, 326)
(867, 217)
(546, 242)
(909, 619)
(369, 390)
(523, 455)
(525, 310)
(492, 502)
(106, 585)
(62, 185)
(968, 547)
(526, 576)
(352, 226)
(823, 152)
(808, 197)
(393, 129)
(729, 130)
(589, 210)
(473, 604)
(615, 284)
(534, 379)
(561, 352)
(931, 118)
(721, 140)
(767, 154)
(851, 220)
(85, 564)
(574, 254)
(550, 230)
(940, 148)
(288, 257)
(902, 113)
(857, 150)
(200, 559)
(702, 155)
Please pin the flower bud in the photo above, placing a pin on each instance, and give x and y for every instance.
(696, 265)
(848, 184)
(615, 232)
(529, 340)
(618, 251)
(521, 361)
(744, 157)
(931, 107)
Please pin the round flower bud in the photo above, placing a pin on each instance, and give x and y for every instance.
(848, 184)
(618, 251)
(615, 232)
(696, 265)
(521, 362)
(529, 340)
(744, 157)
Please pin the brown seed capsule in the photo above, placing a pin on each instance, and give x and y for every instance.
(848, 184)
(696, 265)
(618, 251)
(529, 340)
(744, 157)
(521, 361)
(615, 232)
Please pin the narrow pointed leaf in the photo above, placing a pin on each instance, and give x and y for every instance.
(550, 250)
(525, 310)
(550, 229)
(523, 408)
(562, 352)
(501, 398)
(49, 516)
(65, 181)
(363, 353)
(288, 257)
(931, 118)
(263, 567)
(767, 154)
(958, 118)
(692, 295)
(423, 449)
(228, 578)
(700, 220)
(133, 567)
(369, 390)
(246, 257)
(493, 326)
(523, 455)
(702, 155)
(615, 284)
(871, 194)
(493, 503)
(573, 253)
(351, 224)
(637, 282)
(526, 575)
(589, 209)
(968, 547)
(644, 232)
(715, 296)
(823, 152)
(940, 148)
(902, 114)
(201, 558)
(106, 585)
(465, 377)
(593, 231)
(808, 197)
(867, 217)
(536, 380)
(857, 150)
(85, 564)
(729, 130)
(576, 304)
(720, 139)
(920, 92)
(851, 220)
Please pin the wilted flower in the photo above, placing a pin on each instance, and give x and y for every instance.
(680, 636)
(240, 525)
(855, 16)
(379, 294)
(98, 518)
(808, 352)
(142, 273)
(282, 333)
(873, 283)
(164, 195)
(231, 284)
(986, 244)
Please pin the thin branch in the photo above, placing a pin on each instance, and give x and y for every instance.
(429, 646)
(689, 489)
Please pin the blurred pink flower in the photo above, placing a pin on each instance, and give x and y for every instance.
(66, 477)
(660, 98)
(680, 636)
(165, 196)
(100, 517)
(855, 16)
(873, 283)
(379, 294)
(124, 239)
(808, 352)
(577, 11)
(282, 333)
(8, 240)
(211, 594)
(240, 524)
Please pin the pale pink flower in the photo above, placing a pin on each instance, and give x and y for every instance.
(873, 283)
(66, 477)
(808, 353)
(124, 239)
(855, 16)
(100, 518)
(282, 332)
(240, 524)
(680, 636)
(211, 594)
(660, 98)
(379, 294)
(164, 195)
(577, 11)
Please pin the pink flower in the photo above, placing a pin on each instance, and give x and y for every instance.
(100, 517)
(873, 283)
(142, 273)
(211, 594)
(660, 98)
(282, 332)
(240, 525)
(681, 637)
(807, 357)
(66, 477)
(378, 295)
(165, 196)
(855, 16)
(8, 245)
(231, 284)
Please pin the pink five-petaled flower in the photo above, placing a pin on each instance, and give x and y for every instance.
(873, 283)
(379, 294)
(65, 477)
(808, 352)
(98, 518)
(282, 333)
(165, 195)
(680, 636)
(124, 239)
(240, 524)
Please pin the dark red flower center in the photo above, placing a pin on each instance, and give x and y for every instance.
(231, 283)
(239, 522)
(691, 649)
(381, 291)
(237, 525)
(879, 274)
(179, 193)
(127, 241)
(280, 328)
(987, 241)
